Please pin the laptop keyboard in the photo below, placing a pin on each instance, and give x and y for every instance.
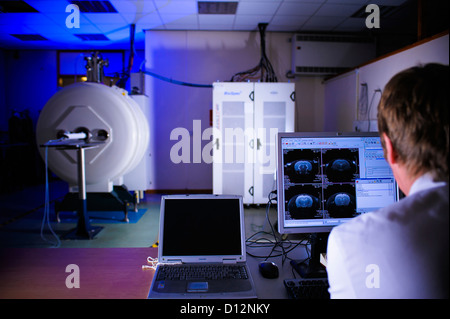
(307, 288)
(201, 272)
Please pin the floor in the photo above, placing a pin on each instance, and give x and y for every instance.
(22, 222)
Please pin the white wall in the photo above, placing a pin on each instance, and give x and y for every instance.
(377, 74)
(343, 93)
(205, 57)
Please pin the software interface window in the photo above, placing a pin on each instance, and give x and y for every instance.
(330, 180)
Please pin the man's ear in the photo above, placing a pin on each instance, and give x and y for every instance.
(391, 153)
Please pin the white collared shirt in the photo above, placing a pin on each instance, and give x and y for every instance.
(424, 182)
(389, 253)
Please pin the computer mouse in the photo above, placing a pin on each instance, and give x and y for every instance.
(268, 269)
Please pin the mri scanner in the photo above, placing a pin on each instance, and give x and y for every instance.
(110, 126)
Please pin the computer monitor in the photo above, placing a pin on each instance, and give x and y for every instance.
(326, 179)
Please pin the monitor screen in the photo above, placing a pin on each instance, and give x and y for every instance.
(325, 179)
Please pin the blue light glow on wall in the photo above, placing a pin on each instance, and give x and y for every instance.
(73, 63)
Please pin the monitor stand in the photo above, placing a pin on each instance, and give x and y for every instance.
(312, 268)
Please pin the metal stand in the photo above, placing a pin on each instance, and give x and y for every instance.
(117, 200)
(83, 230)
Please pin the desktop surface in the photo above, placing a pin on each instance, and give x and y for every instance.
(104, 273)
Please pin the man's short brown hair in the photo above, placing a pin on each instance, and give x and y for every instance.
(413, 113)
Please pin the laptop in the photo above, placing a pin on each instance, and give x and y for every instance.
(202, 249)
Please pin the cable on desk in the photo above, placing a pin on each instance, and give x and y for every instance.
(279, 247)
(46, 217)
(152, 263)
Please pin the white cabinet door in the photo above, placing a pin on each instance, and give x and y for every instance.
(274, 112)
(246, 120)
(232, 124)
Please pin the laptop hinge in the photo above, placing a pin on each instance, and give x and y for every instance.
(173, 261)
(229, 261)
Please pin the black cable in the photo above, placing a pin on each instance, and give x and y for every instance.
(123, 80)
(279, 248)
(163, 78)
(264, 67)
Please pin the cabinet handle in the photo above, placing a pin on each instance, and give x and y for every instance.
(251, 143)
(250, 190)
(252, 96)
(217, 143)
(292, 96)
(258, 144)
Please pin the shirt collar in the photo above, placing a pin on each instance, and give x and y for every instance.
(424, 182)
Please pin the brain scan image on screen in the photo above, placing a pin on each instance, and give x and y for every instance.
(303, 206)
(320, 183)
(340, 200)
(302, 166)
(325, 179)
(340, 165)
(303, 202)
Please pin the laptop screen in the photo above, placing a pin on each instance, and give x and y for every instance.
(194, 226)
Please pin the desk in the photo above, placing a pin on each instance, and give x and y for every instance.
(104, 273)
(272, 288)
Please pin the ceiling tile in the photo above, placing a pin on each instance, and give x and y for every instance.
(297, 8)
(251, 19)
(287, 20)
(134, 6)
(84, 29)
(105, 18)
(322, 23)
(60, 19)
(222, 19)
(176, 6)
(337, 10)
(23, 18)
(49, 6)
(267, 8)
(111, 28)
(152, 17)
(179, 19)
(356, 2)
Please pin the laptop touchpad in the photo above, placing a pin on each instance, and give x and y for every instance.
(197, 286)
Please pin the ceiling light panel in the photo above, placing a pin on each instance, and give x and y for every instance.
(217, 7)
(16, 7)
(99, 6)
(92, 37)
(29, 37)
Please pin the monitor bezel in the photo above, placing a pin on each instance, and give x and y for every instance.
(280, 181)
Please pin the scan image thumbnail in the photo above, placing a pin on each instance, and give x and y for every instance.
(302, 166)
(303, 202)
(340, 200)
(340, 165)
